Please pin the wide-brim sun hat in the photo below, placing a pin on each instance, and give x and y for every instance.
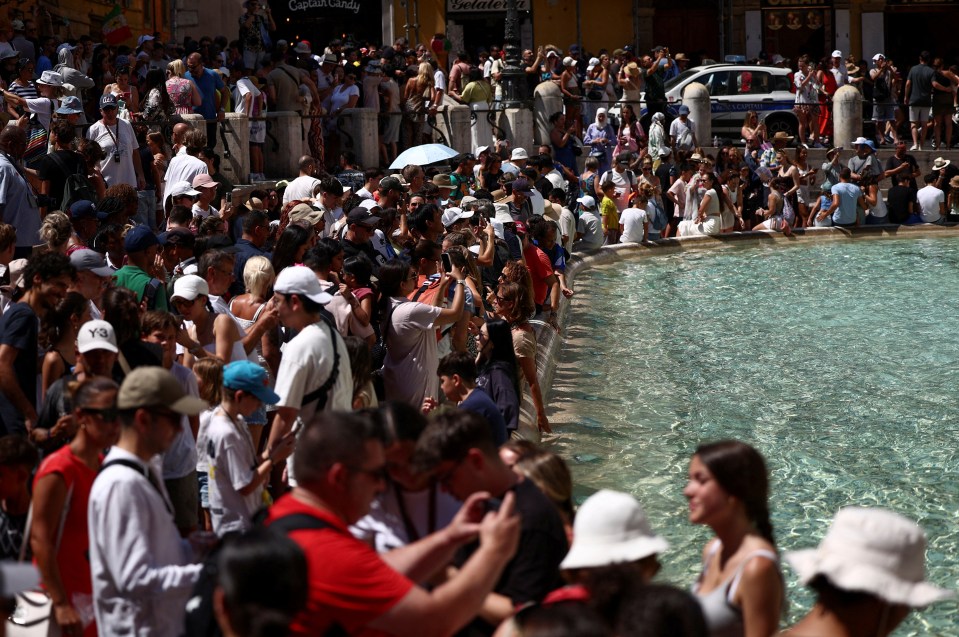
(611, 528)
(940, 163)
(781, 136)
(874, 551)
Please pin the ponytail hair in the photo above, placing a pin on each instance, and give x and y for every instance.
(741, 471)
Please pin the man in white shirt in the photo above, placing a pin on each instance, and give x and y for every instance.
(838, 69)
(306, 184)
(315, 373)
(121, 162)
(143, 571)
(186, 166)
(932, 201)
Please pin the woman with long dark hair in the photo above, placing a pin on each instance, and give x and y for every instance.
(496, 367)
(61, 491)
(409, 331)
(513, 303)
(740, 587)
(291, 246)
(157, 107)
(58, 332)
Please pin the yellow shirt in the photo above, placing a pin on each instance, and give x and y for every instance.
(609, 213)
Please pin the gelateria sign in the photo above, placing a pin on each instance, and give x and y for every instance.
(793, 4)
(352, 6)
(482, 6)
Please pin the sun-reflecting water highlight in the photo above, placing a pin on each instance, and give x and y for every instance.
(838, 361)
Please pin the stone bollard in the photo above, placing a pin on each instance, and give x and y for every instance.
(696, 97)
(846, 116)
(517, 125)
(235, 158)
(284, 144)
(458, 118)
(362, 127)
(547, 99)
(481, 133)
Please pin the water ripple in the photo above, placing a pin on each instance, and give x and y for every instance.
(836, 360)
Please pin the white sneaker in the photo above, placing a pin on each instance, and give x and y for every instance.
(915, 147)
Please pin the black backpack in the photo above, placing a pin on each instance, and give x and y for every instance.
(77, 187)
(200, 619)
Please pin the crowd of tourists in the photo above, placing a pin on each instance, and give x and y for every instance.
(303, 410)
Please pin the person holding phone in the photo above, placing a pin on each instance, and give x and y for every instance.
(409, 329)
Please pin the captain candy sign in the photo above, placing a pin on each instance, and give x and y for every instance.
(343, 5)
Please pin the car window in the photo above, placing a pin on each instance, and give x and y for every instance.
(715, 83)
(681, 78)
(750, 83)
(780, 83)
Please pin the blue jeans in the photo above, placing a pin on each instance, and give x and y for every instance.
(146, 209)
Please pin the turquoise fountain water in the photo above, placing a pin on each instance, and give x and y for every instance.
(838, 361)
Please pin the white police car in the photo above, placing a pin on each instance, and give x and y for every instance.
(735, 89)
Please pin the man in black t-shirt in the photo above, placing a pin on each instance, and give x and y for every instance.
(45, 279)
(902, 163)
(457, 447)
(360, 225)
(54, 169)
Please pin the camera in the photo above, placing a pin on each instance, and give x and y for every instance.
(116, 156)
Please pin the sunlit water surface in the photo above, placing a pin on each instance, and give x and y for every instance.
(838, 361)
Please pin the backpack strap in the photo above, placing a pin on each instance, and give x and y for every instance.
(299, 522)
(423, 288)
(150, 293)
(144, 471)
(321, 393)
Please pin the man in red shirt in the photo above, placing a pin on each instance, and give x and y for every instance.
(541, 271)
(341, 467)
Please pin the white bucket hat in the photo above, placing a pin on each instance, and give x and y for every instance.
(50, 78)
(872, 551)
(611, 528)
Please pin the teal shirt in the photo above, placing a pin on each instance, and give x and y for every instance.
(135, 279)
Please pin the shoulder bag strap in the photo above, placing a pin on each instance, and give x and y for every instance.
(320, 394)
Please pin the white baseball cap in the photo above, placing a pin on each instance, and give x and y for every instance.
(837, 53)
(96, 334)
(587, 202)
(300, 280)
(452, 215)
(181, 188)
(878, 56)
(189, 287)
(519, 153)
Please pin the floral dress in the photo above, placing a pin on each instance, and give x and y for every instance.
(181, 94)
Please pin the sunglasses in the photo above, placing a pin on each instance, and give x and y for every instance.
(108, 414)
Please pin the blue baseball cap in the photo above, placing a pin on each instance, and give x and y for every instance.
(108, 101)
(140, 238)
(684, 110)
(250, 377)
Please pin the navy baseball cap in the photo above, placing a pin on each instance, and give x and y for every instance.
(140, 238)
(108, 101)
(83, 209)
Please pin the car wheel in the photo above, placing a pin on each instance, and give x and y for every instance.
(785, 123)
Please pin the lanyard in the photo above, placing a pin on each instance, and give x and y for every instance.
(411, 533)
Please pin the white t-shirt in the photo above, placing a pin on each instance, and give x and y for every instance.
(117, 138)
(184, 167)
(633, 220)
(306, 365)
(682, 133)
(300, 188)
(232, 466)
(384, 527)
(929, 199)
(209, 212)
(180, 459)
(409, 372)
(624, 186)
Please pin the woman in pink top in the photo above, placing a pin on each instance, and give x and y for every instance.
(183, 92)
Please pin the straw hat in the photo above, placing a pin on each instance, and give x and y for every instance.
(954, 182)
(940, 163)
(872, 551)
(781, 136)
(611, 528)
(632, 69)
